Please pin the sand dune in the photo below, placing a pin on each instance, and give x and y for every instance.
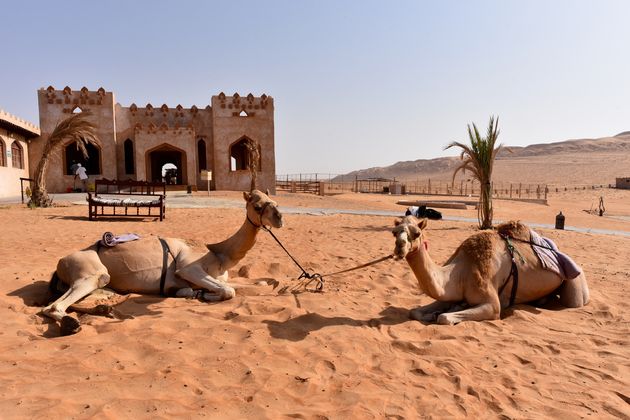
(350, 352)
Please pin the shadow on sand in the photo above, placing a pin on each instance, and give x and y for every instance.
(38, 295)
(298, 328)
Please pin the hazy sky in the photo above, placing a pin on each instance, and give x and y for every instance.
(356, 84)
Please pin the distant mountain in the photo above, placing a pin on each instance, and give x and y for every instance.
(582, 161)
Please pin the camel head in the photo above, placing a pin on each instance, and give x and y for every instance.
(406, 231)
(262, 210)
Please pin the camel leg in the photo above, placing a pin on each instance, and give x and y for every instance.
(574, 293)
(194, 274)
(430, 312)
(79, 289)
(485, 311)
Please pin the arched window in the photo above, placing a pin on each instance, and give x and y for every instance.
(3, 154)
(73, 156)
(17, 156)
(129, 162)
(239, 156)
(201, 155)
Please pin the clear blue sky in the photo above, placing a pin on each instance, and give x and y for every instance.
(356, 83)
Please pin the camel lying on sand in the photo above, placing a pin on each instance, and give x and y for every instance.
(154, 265)
(471, 285)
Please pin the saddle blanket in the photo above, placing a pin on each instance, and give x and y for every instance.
(552, 259)
(109, 239)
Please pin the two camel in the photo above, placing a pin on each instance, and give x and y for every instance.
(160, 266)
(470, 286)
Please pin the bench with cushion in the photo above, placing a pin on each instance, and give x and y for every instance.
(124, 195)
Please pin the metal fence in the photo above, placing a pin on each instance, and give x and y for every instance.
(333, 184)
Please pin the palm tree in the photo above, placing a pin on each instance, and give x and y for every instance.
(254, 158)
(478, 158)
(78, 129)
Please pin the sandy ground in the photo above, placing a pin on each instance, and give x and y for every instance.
(349, 352)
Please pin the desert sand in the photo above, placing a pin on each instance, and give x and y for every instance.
(350, 352)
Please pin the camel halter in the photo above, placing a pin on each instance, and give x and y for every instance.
(260, 216)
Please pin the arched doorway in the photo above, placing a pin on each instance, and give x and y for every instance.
(163, 157)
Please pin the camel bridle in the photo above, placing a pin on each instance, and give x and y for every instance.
(260, 216)
(411, 242)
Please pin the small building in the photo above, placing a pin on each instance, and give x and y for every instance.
(623, 183)
(15, 137)
(163, 143)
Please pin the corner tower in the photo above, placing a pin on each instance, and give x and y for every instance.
(235, 120)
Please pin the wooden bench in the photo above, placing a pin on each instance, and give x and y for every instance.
(139, 195)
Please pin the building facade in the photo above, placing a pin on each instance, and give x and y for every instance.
(15, 138)
(173, 144)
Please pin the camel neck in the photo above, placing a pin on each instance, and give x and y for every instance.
(233, 249)
(429, 274)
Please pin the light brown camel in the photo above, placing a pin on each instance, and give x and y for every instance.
(476, 282)
(160, 266)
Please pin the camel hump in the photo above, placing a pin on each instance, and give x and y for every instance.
(515, 229)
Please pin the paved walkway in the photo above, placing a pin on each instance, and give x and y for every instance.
(189, 201)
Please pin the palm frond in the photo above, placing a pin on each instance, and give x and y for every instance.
(478, 158)
(76, 128)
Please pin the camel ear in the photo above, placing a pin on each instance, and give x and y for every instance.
(422, 224)
(247, 196)
(267, 191)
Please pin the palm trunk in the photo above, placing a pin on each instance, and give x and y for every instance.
(39, 195)
(485, 206)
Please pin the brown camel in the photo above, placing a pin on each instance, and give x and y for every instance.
(160, 266)
(476, 282)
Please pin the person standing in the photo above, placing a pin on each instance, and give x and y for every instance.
(73, 169)
(83, 176)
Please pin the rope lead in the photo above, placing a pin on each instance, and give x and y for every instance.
(319, 278)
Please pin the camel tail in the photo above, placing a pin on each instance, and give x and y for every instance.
(56, 287)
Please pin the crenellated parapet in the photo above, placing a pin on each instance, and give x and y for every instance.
(248, 104)
(19, 122)
(164, 111)
(72, 99)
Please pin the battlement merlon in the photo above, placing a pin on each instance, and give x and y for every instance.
(29, 130)
(67, 96)
(237, 103)
(149, 109)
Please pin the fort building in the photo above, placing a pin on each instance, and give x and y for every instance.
(161, 143)
(15, 138)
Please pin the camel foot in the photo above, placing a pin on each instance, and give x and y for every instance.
(431, 312)
(446, 319)
(69, 325)
(422, 316)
